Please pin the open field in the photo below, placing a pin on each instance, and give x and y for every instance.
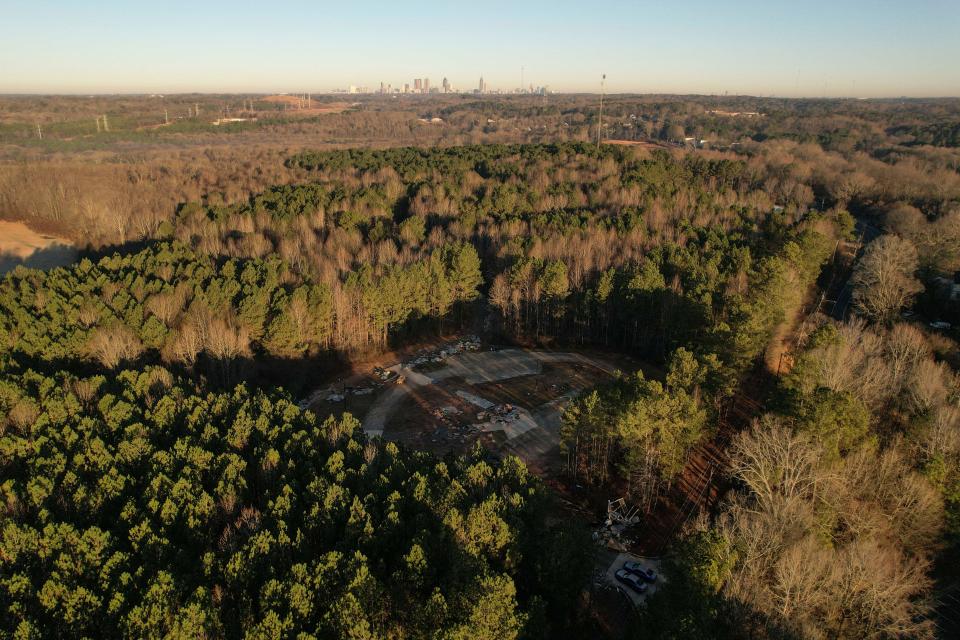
(643, 144)
(316, 107)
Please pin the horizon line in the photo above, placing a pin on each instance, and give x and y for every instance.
(504, 94)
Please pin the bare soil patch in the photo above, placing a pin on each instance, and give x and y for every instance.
(637, 143)
(316, 107)
(21, 245)
(511, 400)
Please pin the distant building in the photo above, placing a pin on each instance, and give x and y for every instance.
(483, 86)
(220, 121)
(426, 85)
(417, 85)
(446, 86)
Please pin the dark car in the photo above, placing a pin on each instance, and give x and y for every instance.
(632, 581)
(638, 569)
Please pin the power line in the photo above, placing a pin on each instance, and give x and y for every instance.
(600, 117)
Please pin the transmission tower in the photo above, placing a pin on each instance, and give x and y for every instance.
(600, 117)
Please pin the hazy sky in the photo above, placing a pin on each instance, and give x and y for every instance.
(760, 47)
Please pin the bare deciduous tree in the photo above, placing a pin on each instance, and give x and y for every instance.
(113, 344)
(883, 281)
(829, 548)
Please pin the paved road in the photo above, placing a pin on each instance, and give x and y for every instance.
(841, 306)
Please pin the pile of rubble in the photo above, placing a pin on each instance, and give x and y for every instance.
(438, 355)
(449, 428)
(332, 395)
(499, 414)
(615, 531)
(384, 375)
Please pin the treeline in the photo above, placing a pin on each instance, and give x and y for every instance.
(138, 507)
(565, 233)
(211, 315)
(116, 194)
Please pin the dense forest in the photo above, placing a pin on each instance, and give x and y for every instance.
(839, 507)
(139, 507)
(160, 480)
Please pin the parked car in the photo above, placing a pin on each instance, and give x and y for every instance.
(632, 581)
(638, 569)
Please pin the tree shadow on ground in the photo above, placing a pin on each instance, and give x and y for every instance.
(49, 257)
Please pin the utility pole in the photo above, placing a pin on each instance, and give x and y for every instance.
(600, 118)
(166, 117)
(106, 125)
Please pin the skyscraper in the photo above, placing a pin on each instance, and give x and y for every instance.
(483, 87)
(417, 85)
(426, 85)
(446, 86)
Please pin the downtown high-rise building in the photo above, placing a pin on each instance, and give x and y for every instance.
(446, 86)
(417, 85)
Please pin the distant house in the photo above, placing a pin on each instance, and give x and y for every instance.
(220, 121)
(734, 114)
(949, 289)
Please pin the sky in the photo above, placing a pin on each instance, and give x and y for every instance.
(853, 48)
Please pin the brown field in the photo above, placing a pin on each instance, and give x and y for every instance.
(643, 144)
(316, 107)
(21, 245)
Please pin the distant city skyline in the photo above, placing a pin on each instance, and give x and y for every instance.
(852, 48)
(423, 86)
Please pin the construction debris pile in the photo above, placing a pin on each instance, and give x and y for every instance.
(384, 375)
(451, 429)
(614, 533)
(498, 414)
(330, 394)
(438, 355)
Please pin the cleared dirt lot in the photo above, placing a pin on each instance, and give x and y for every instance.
(20, 245)
(510, 399)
